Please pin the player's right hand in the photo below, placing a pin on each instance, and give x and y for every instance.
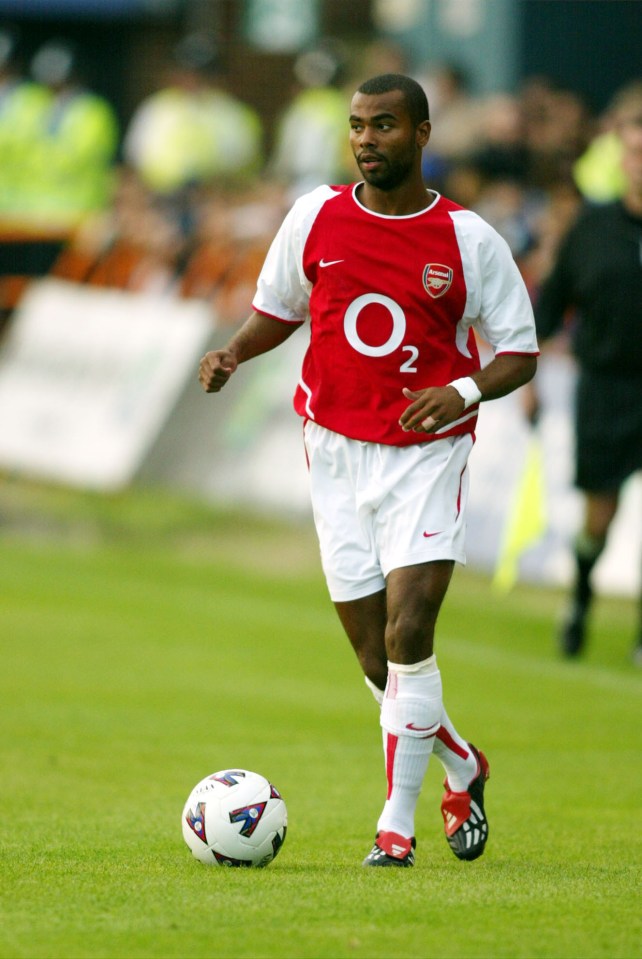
(215, 369)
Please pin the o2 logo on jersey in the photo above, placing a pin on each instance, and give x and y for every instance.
(397, 334)
(437, 279)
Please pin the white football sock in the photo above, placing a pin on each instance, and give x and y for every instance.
(376, 692)
(455, 755)
(453, 752)
(410, 718)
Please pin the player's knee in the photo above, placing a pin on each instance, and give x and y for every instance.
(410, 634)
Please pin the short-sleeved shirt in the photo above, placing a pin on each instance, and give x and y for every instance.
(596, 282)
(598, 275)
(392, 302)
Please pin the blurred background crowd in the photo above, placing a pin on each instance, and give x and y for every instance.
(175, 181)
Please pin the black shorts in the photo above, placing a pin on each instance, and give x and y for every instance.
(608, 430)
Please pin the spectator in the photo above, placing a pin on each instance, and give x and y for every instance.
(22, 105)
(231, 238)
(502, 162)
(598, 172)
(193, 132)
(457, 124)
(379, 56)
(310, 146)
(557, 128)
(57, 142)
(71, 173)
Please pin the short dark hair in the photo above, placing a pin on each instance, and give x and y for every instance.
(413, 93)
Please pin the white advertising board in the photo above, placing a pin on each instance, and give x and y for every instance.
(88, 378)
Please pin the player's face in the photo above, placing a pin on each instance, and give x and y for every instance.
(386, 144)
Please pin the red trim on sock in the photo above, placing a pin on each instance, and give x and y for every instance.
(391, 748)
(450, 743)
(391, 685)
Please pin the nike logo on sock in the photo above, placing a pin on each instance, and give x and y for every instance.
(424, 729)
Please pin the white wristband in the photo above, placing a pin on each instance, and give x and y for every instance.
(468, 390)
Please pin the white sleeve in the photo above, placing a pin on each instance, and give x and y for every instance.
(498, 305)
(283, 289)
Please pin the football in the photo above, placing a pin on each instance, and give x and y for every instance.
(235, 818)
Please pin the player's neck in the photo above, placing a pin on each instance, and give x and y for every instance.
(402, 201)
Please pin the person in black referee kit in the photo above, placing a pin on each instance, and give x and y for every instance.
(597, 281)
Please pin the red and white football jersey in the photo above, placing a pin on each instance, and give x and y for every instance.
(392, 303)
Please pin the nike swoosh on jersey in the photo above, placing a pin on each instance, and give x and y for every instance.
(427, 535)
(323, 263)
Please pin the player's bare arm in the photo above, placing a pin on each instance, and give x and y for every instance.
(259, 334)
(435, 407)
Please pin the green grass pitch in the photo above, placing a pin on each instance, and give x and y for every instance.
(147, 642)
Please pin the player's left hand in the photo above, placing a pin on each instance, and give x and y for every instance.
(431, 409)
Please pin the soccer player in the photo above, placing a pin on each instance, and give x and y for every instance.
(393, 278)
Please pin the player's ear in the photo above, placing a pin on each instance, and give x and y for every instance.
(423, 133)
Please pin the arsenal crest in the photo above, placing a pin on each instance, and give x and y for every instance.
(437, 279)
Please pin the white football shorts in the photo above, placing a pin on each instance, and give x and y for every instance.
(378, 507)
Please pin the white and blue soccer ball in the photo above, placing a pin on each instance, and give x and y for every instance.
(235, 818)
